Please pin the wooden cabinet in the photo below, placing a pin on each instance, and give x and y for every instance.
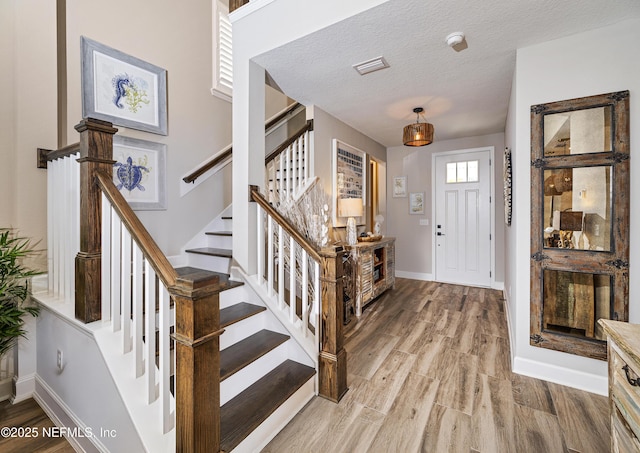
(624, 384)
(374, 269)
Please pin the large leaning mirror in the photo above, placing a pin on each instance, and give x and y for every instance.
(579, 221)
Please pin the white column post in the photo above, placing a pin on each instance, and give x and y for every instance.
(248, 155)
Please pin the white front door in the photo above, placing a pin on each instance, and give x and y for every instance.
(463, 217)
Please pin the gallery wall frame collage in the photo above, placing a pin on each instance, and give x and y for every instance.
(129, 92)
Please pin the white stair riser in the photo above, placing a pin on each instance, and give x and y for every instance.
(209, 263)
(238, 294)
(219, 242)
(242, 329)
(239, 381)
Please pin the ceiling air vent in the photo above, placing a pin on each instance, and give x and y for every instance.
(372, 65)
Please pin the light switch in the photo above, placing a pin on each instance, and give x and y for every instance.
(424, 222)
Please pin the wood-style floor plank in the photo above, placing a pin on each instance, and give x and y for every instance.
(429, 371)
(27, 414)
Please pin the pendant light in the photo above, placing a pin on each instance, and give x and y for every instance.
(418, 134)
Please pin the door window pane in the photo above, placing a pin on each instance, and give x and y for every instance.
(462, 171)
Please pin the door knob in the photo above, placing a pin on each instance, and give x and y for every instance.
(440, 234)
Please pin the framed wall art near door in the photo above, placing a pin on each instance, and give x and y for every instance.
(139, 172)
(416, 203)
(400, 187)
(349, 178)
(122, 89)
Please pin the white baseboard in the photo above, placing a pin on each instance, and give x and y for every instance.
(24, 388)
(81, 437)
(498, 286)
(563, 376)
(414, 275)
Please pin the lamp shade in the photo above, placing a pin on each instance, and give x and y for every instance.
(418, 134)
(350, 207)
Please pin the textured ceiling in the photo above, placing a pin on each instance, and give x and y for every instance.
(464, 93)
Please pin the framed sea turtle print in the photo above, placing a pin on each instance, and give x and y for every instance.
(122, 89)
(139, 172)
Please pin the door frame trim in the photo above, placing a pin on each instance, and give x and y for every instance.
(492, 206)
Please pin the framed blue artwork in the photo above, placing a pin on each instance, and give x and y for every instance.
(122, 89)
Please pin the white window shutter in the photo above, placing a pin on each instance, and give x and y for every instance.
(223, 58)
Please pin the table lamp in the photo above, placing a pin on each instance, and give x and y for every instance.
(350, 207)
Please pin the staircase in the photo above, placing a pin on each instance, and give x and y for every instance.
(244, 348)
(261, 366)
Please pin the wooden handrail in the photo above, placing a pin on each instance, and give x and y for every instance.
(47, 155)
(307, 127)
(220, 157)
(264, 204)
(228, 150)
(139, 233)
(280, 116)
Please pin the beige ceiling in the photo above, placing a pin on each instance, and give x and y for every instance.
(464, 93)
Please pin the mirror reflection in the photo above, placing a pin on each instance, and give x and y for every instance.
(577, 208)
(573, 303)
(578, 132)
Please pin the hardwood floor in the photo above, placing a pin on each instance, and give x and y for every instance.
(38, 438)
(429, 371)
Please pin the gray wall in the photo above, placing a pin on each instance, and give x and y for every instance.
(413, 241)
(327, 128)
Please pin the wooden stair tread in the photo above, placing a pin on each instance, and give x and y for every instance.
(239, 355)
(196, 275)
(225, 253)
(226, 217)
(219, 233)
(238, 312)
(244, 413)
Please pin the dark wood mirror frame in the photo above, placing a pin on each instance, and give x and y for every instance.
(610, 268)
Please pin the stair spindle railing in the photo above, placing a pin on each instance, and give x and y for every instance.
(305, 292)
(118, 274)
(287, 168)
(63, 217)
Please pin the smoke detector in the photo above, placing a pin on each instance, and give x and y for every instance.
(455, 38)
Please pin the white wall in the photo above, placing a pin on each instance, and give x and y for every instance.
(413, 241)
(29, 115)
(7, 117)
(595, 62)
(84, 386)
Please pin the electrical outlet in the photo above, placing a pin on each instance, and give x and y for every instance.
(59, 362)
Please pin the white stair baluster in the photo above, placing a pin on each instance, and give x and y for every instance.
(138, 302)
(116, 231)
(165, 359)
(270, 262)
(150, 332)
(305, 292)
(106, 259)
(125, 290)
(280, 268)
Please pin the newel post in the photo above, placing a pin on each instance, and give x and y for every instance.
(96, 154)
(197, 336)
(333, 357)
